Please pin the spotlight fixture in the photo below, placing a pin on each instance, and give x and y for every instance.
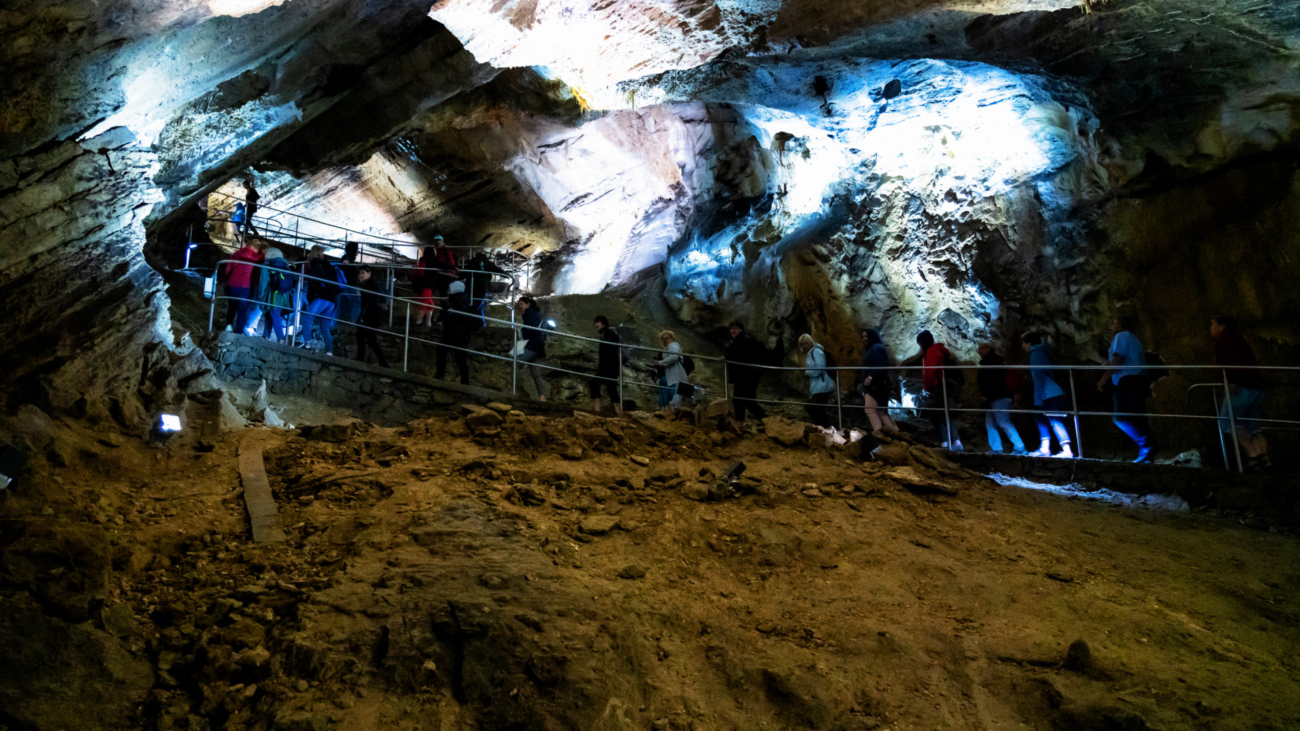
(169, 422)
(12, 461)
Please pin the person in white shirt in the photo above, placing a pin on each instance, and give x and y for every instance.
(673, 364)
(821, 384)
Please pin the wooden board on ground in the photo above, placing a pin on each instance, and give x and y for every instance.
(262, 510)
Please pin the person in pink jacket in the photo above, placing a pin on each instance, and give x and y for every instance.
(240, 278)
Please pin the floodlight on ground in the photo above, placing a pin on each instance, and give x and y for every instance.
(169, 423)
(12, 461)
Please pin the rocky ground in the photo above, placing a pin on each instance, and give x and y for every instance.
(492, 570)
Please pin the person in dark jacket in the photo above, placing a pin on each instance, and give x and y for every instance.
(275, 292)
(996, 394)
(459, 322)
(875, 380)
(322, 291)
(742, 356)
(251, 197)
(608, 365)
(444, 267)
(479, 272)
(1245, 390)
(372, 311)
(533, 352)
(934, 355)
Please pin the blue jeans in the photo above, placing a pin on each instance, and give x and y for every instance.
(999, 418)
(318, 308)
(1247, 409)
(276, 318)
(1054, 411)
(665, 393)
(239, 309)
(1131, 409)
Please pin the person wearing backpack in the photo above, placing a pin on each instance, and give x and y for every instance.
(934, 355)
(1049, 397)
(322, 289)
(1127, 372)
(1245, 398)
(534, 343)
(998, 387)
(609, 355)
(275, 292)
(821, 384)
(371, 313)
(459, 322)
(672, 364)
(875, 381)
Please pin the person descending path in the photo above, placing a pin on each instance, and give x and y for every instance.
(934, 355)
(821, 382)
(422, 283)
(251, 197)
(1049, 397)
(608, 365)
(875, 380)
(240, 278)
(1245, 391)
(1128, 374)
(322, 290)
(998, 387)
(742, 356)
(459, 323)
(372, 311)
(672, 366)
(533, 350)
(275, 292)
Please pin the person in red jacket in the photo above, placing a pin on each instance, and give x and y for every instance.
(422, 283)
(239, 284)
(445, 269)
(934, 355)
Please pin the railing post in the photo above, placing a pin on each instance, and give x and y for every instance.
(839, 400)
(620, 380)
(1232, 420)
(297, 311)
(392, 290)
(514, 356)
(947, 423)
(406, 339)
(212, 309)
(1223, 444)
(1074, 404)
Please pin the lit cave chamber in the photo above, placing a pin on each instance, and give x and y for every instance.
(217, 515)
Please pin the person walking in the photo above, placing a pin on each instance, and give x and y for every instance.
(742, 357)
(349, 302)
(251, 197)
(275, 292)
(422, 283)
(322, 299)
(998, 387)
(240, 277)
(1049, 398)
(1245, 391)
(875, 380)
(933, 377)
(821, 384)
(533, 352)
(672, 367)
(443, 266)
(372, 309)
(459, 322)
(479, 272)
(1127, 373)
(608, 365)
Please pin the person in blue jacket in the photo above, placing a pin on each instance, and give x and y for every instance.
(1049, 397)
(1127, 373)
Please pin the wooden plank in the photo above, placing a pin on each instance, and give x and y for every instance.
(262, 510)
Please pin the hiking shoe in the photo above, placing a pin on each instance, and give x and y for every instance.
(1144, 456)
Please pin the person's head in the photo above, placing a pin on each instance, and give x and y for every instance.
(871, 336)
(316, 252)
(602, 322)
(1220, 324)
(736, 328)
(248, 183)
(1030, 339)
(274, 253)
(1121, 322)
(805, 343)
(350, 252)
(456, 287)
(363, 274)
(524, 302)
(984, 349)
(438, 243)
(925, 340)
(666, 337)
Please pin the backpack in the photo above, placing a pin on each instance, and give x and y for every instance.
(956, 377)
(342, 278)
(624, 350)
(688, 364)
(280, 281)
(829, 368)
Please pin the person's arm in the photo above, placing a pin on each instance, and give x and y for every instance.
(1116, 359)
(671, 355)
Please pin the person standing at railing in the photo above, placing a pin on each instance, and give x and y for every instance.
(459, 322)
(875, 381)
(479, 272)
(998, 387)
(422, 283)
(349, 304)
(672, 366)
(444, 267)
(322, 299)
(239, 285)
(821, 384)
(1128, 374)
(742, 356)
(608, 356)
(933, 377)
(1245, 390)
(533, 352)
(372, 314)
(1049, 397)
(275, 292)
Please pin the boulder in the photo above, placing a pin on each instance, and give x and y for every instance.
(920, 484)
(480, 421)
(228, 417)
(895, 454)
(784, 430)
(599, 525)
(596, 437)
(499, 407)
(335, 431)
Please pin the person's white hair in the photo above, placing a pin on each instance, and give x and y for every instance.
(806, 338)
(456, 287)
(274, 253)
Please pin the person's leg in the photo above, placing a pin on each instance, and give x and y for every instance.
(372, 338)
(611, 388)
(1044, 434)
(361, 344)
(1056, 408)
(539, 378)
(1130, 410)
(665, 395)
(277, 324)
(594, 387)
(306, 320)
(991, 426)
(1002, 414)
(326, 323)
(873, 413)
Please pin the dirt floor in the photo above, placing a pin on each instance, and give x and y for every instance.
(503, 571)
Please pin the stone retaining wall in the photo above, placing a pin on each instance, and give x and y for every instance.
(382, 395)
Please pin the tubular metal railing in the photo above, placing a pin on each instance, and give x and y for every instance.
(946, 409)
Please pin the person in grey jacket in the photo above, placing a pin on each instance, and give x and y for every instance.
(1048, 396)
(673, 364)
(821, 384)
